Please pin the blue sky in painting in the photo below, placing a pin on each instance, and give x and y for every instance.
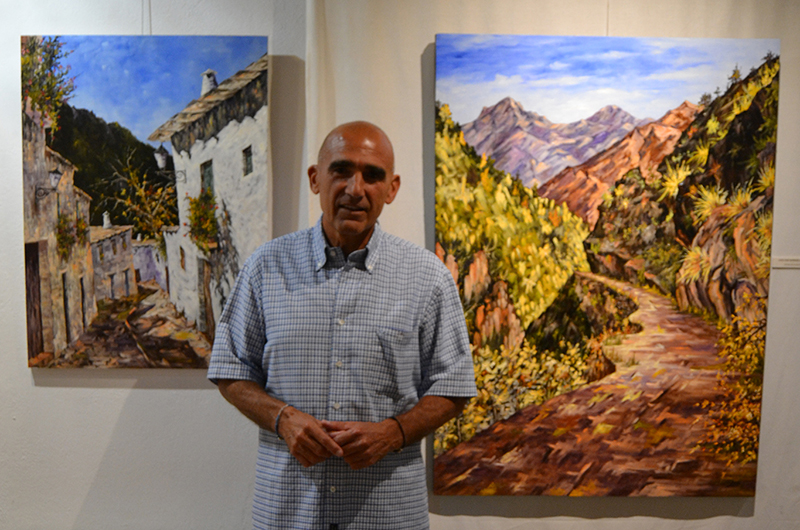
(570, 78)
(141, 82)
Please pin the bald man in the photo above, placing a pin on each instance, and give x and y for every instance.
(346, 346)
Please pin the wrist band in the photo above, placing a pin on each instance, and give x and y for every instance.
(278, 418)
(402, 431)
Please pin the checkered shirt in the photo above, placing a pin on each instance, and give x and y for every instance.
(356, 339)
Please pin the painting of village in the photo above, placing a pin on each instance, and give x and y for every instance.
(146, 182)
(605, 208)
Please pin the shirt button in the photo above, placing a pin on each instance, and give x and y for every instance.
(340, 322)
(333, 489)
(336, 406)
(339, 364)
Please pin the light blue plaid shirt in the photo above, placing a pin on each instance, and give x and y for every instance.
(356, 339)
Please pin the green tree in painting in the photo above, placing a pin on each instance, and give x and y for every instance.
(45, 80)
(735, 76)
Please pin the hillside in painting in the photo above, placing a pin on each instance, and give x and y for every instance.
(99, 149)
(617, 312)
(582, 187)
(534, 149)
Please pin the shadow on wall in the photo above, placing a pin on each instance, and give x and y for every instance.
(287, 132)
(151, 378)
(428, 89)
(671, 508)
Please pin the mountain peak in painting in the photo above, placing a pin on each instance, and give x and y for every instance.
(535, 149)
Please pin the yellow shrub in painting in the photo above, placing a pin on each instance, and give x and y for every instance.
(514, 251)
(733, 424)
(203, 225)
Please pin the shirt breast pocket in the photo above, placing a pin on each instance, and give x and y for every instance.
(396, 374)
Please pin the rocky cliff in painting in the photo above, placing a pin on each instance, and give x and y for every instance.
(582, 187)
(533, 148)
(699, 227)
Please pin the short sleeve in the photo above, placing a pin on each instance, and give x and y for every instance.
(240, 336)
(447, 368)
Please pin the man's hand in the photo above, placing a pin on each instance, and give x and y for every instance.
(364, 443)
(307, 439)
(361, 444)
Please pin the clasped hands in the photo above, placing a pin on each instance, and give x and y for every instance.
(360, 444)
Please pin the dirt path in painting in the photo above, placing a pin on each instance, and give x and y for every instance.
(632, 433)
(142, 331)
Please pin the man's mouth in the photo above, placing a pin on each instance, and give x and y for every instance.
(352, 208)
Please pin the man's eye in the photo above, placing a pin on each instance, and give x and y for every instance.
(374, 175)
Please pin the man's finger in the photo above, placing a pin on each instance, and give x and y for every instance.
(328, 443)
(344, 438)
(308, 458)
(313, 447)
(333, 426)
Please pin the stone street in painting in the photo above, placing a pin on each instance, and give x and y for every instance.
(143, 331)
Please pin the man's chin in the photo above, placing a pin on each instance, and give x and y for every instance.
(353, 227)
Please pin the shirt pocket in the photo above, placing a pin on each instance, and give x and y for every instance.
(399, 374)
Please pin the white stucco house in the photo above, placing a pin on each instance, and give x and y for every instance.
(220, 143)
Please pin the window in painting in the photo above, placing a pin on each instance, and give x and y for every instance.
(207, 175)
(247, 160)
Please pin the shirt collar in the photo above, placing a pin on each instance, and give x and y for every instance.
(363, 259)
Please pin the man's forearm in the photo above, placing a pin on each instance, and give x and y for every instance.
(428, 415)
(252, 400)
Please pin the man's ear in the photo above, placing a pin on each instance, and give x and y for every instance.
(312, 179)
(394, 187)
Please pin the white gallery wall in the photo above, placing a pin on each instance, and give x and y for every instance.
(153, 449)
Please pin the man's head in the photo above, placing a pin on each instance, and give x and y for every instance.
(354, 177)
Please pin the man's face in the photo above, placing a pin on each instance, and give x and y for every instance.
(354, 177)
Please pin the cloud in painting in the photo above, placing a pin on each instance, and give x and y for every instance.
(569, 78)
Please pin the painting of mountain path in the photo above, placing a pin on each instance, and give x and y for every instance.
(146, 182)
(605, 208)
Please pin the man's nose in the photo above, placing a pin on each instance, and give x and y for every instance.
(355, 184)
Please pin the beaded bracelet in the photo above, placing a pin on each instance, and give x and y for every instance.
(278, 418)
(402, 432)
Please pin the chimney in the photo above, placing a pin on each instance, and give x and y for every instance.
(209, 82)
(106, 220)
